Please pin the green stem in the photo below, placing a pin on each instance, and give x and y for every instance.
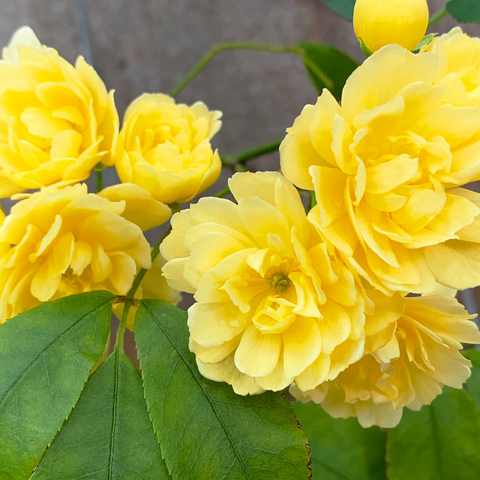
(122, 327)
(99, 181)
(143, 271)
(228, 46)
(131, 295)
(437, 17)
(313, 199)
(247, 155)
(222, 193)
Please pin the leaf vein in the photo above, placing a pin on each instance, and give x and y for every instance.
(202, 388)
(42, 354)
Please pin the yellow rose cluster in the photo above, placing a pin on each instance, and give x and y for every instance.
(321, 302)
(57, 123)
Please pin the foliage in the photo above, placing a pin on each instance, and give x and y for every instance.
(46, 355)
(344, 8)
(465, 11)
(335, 65)
(228, 435)
(342, 448)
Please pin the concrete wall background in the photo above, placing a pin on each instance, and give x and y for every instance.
(149, 45)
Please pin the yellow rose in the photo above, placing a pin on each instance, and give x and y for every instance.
(387, 165)
(65, 242)
(56, 121)
(165, 148)
(383, 22)
(409, 371)
(273, 304)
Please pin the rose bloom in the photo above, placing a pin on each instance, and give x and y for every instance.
(408, 371)
(64, 242)
(57, 121)
(273, 304)
(383, 22)
(459, 57)
(387, 166)
(165, 148)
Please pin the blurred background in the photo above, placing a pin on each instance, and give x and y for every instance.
(142, 46)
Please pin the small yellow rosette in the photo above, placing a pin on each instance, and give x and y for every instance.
(63, 242)
(165, 148)
(57, 121)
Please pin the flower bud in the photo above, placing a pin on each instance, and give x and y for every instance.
(382, 22)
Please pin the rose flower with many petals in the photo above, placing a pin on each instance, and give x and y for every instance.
(64, 242)
(165, 148)
(273, 304)
(409, 370)
(387, 166)
(57, 121)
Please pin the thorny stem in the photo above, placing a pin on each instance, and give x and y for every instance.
(297, 49)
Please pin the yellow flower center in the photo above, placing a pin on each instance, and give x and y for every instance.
(279, 282)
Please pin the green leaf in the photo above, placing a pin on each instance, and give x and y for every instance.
(205, 430)
(108, 435)
(465, 11)
(440, 442)
(343, 7)
(327, 67)
(46, 355)
(426, 40)
(473, 383)
(342, 449)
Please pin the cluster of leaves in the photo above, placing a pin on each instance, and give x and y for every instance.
(119, 423)
(170, 422)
